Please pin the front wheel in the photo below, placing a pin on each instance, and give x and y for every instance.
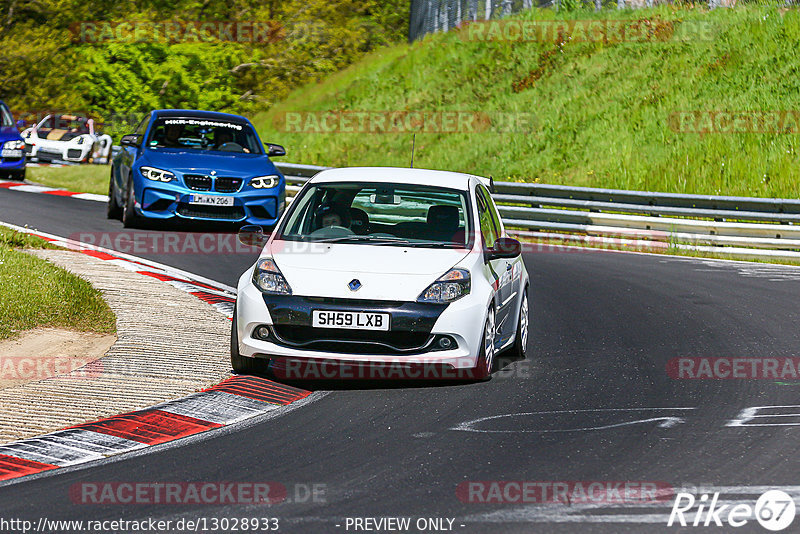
(129, 217)
(113, 209)
(486, 362)
(242, 365)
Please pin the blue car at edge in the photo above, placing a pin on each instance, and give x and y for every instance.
(12, 146)
(197, 166)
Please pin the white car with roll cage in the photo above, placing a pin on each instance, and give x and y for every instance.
(408, 269)
(67, 138)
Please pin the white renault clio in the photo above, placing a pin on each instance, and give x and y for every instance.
(407, 271)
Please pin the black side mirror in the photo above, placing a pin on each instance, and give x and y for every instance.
(252, 235)
(275, 150)
(505, 248)
(130, 140)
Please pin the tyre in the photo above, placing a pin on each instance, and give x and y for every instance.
(242, 365)
(486, 355)
(113, 209)
(520, 346)
(129, 217)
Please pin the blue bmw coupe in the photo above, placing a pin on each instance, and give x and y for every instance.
(12, 147)
(196, 165)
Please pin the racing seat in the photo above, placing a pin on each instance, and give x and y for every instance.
(443, 222)
(359, 221)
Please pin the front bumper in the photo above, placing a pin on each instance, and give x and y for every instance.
(15, 166)
(461, 321)
(73, 153)
(172, 200)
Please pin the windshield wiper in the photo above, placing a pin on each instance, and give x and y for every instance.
(390, 241)
(359, 238)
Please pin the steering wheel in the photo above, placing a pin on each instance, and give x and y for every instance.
(230, 146)
(332, 231)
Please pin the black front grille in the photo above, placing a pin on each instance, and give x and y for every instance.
(231, 213)
(261, 212)
(352, 341)
(73, 153)
(48, 154)
(197, 182)
(227, 185)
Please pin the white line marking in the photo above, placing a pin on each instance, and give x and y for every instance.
(77, 245)
(91, 196)
(666, 421)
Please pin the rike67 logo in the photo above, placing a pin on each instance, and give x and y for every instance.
(774, 510)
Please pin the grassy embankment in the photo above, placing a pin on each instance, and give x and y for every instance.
(601, 112)
(35, 293)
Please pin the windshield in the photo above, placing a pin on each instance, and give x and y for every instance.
(380, 213)
(63, 124)
(202, 134)
(5, 116)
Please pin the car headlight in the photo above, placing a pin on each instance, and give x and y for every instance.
(451, 286)
(265, 182)
(14, 145)
(157, 175)
(269, 279)
(79, 140)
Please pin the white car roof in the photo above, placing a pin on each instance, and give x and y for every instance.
(453, 180)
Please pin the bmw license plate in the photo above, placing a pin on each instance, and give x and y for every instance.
(11, 153)
(210, 200)
(350, 320)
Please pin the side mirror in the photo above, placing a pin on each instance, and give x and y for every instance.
(130, 140)
(252, 235)
(275, 150)
(20, 124)
(505, 248)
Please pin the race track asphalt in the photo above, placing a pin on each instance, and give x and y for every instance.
(592, 402)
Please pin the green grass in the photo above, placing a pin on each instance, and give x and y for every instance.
(35, 293)
(601, 111)
(78, 178)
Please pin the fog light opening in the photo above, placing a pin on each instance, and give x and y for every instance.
(261, 332)
(445, 343)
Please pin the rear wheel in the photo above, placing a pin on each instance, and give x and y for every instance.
(242, 365)
(520, 345)
(113, 209)
(487, 351)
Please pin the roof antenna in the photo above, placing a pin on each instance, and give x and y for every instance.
(413, 144)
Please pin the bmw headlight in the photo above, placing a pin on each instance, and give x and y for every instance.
(157, 175)
(265, 182)
(269, 279)
(14, 145)
(451, 286)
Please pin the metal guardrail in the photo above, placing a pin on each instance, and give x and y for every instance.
(756, 225)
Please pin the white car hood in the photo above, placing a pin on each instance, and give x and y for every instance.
(385, 272)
